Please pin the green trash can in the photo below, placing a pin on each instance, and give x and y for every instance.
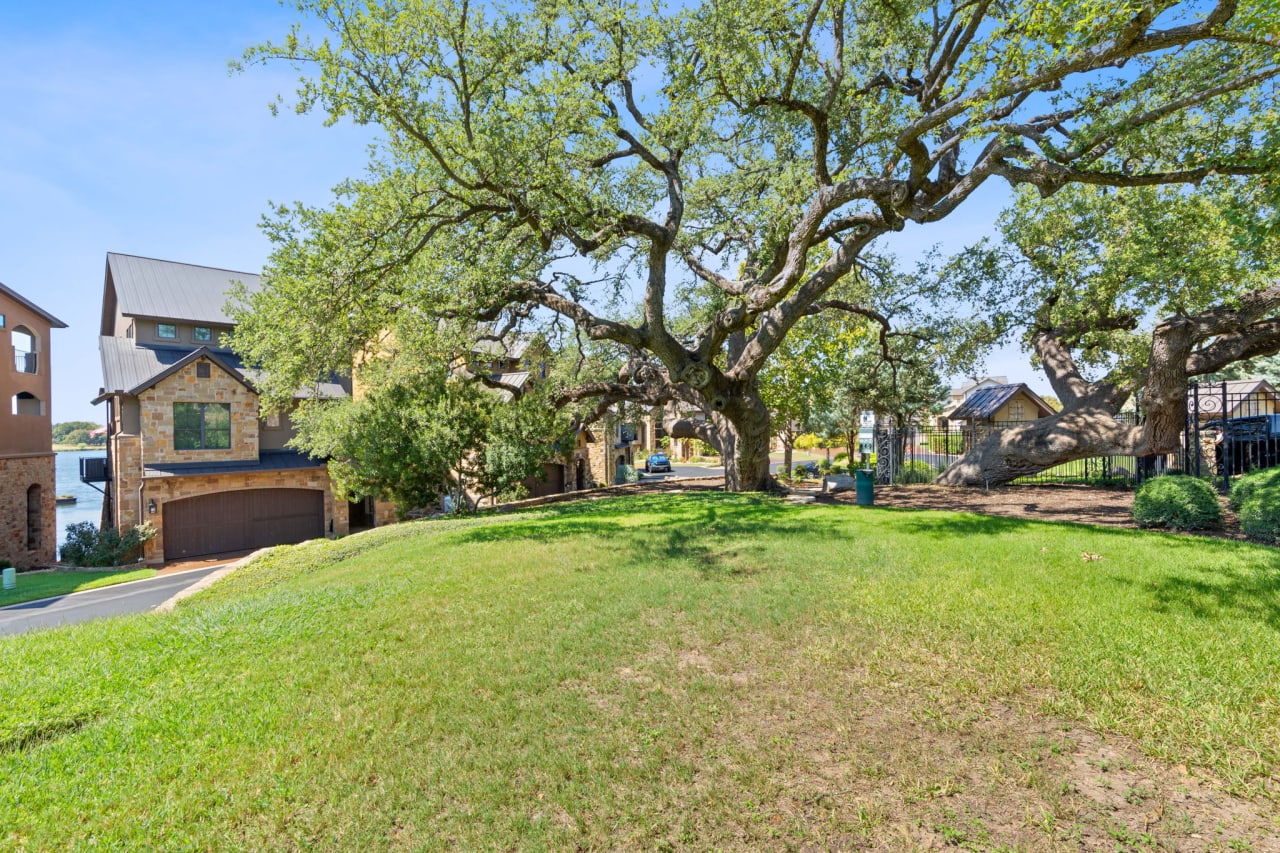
(865, 486)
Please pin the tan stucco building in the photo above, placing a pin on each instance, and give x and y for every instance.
(28, 526)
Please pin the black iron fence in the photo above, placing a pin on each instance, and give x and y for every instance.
(919, 453)
(1231, 428)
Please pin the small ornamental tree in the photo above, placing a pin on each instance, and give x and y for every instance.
(544, 162)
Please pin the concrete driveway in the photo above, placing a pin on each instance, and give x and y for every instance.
(132, 597)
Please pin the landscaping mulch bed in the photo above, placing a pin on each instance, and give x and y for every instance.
(1080, 504)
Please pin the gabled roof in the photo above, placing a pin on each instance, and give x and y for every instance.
(985, 402)
(31, 306)
(168, 290)
(128, 368)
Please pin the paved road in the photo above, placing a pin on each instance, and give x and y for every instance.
(134, 597)
(683, 471)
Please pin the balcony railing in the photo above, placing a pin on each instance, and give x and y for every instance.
(25, 362)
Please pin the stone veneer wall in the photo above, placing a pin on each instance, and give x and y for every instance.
(126, 476)
(185, 387)
(384, 513)
(162, 489)
(17, 474)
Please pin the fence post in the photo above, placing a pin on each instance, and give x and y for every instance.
(1195, 420)
(1226, 444)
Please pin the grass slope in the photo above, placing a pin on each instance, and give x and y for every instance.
(35, 585)
(709, 671)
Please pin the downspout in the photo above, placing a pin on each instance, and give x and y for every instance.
(142, 480)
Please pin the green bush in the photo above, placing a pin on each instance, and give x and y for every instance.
(1251, 483)
(86, 545)
(1177, 502)
(1260, 516)
(915, 471)
(948, 442)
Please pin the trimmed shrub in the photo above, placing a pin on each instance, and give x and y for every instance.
(86, 545)
(1260, 516)
(1250, 484)
(841, 458)
(1177, 502)
(915, 471)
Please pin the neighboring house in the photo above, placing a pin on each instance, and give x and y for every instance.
(188, 449)
(521, 364)
(995, 406)
(1245, 398)
(624, 445)
(961, 392)
(28, 526)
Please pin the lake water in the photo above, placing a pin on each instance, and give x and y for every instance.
(88, 505)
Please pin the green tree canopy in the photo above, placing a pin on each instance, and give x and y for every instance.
(583, 161)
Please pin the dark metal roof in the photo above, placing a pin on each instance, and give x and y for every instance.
(268, 460)
(168, 290)
(985, 402)
(27, 303)
(128, 367)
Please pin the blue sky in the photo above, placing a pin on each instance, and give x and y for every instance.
(122, 131)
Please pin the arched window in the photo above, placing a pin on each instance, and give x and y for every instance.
(24, 349)
(26, 403)
(34, 518)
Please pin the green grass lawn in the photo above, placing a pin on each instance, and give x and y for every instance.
(34, 585)
(665, 672)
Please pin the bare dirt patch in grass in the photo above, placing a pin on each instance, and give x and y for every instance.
(880, 757)
(1080, 504)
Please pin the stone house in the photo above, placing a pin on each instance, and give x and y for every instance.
(188, 448)
(28, 516)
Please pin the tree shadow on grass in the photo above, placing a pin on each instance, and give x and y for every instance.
(1248, 590)
(1209, 578)
(658, 531)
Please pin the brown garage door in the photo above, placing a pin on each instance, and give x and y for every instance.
(241, 521)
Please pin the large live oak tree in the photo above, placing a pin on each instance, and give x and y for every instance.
(552, 159)
(1122, 294)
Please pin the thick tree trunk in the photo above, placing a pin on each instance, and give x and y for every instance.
(1035, 446)
(746, 453)
(740, 430)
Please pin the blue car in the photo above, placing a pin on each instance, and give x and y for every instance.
(657, 463)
